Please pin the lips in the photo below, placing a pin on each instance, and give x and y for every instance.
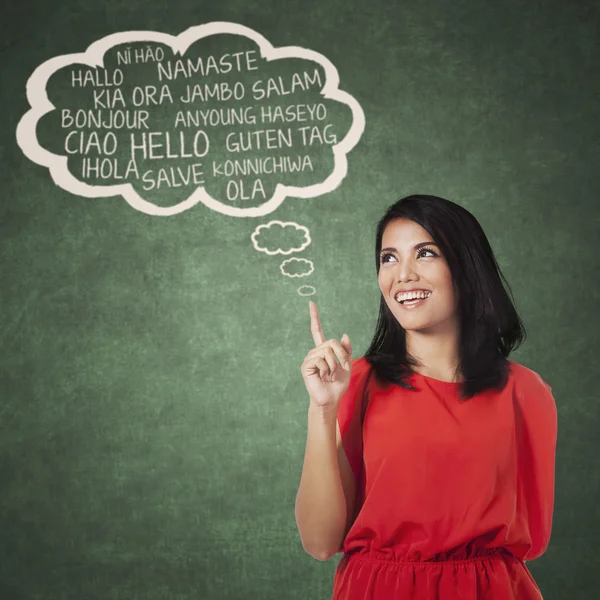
(427, 292)
(415, 303)
(411, 290)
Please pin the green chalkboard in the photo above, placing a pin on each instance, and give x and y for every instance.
(177, 181)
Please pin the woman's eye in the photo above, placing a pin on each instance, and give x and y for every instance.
(387, 254)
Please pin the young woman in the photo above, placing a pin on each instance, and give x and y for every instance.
(429, 461)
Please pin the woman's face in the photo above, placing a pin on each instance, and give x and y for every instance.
(407, 262)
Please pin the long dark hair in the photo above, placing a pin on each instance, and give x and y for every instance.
(490, 328)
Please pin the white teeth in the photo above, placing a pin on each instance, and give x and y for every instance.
(412, 296)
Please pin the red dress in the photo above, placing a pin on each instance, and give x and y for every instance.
(451, 497)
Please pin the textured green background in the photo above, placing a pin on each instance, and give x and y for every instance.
(152, 413)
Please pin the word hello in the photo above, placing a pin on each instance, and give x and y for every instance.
(150, 145)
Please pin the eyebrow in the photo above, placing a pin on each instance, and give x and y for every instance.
(417, 246)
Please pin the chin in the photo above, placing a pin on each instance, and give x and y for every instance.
(425, 327)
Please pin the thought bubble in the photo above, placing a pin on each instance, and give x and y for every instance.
(297, 267)
(306, 290)
(215, 115)
(277, 237)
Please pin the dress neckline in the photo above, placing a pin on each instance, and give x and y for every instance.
(440, 382)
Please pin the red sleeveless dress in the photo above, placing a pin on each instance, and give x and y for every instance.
(452, 497)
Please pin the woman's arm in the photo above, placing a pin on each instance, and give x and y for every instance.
(325, 499)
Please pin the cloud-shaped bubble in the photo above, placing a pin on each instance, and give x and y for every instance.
(306, 290)
(297, 267)
(215, 115)
(278, 237)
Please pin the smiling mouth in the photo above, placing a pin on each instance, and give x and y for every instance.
(413, 302)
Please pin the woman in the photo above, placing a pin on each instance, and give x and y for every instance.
(429, 461)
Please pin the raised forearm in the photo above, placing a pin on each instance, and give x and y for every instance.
(320, 502)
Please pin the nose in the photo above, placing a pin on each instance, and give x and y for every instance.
(405, 270)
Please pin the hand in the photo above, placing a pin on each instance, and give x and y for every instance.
(325, 381)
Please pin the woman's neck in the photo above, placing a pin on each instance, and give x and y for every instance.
(437, 354)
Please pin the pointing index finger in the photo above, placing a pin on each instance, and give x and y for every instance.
(315, 324)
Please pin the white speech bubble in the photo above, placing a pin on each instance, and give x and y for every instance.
(93, 57)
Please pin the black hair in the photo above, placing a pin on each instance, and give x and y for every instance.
(490, 328)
